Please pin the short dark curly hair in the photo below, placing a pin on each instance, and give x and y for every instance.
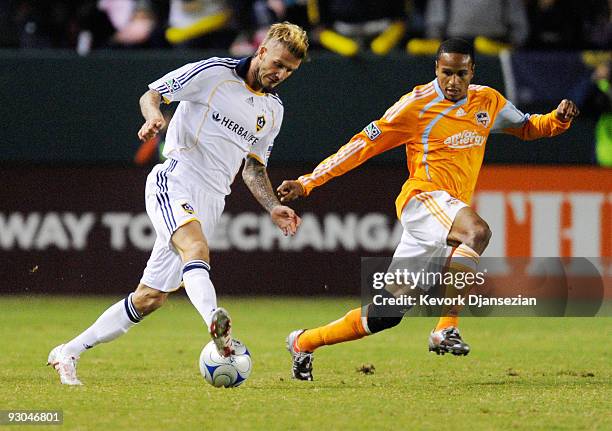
(456, 46)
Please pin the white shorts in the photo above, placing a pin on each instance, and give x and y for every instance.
(173, 198)
(427, 219)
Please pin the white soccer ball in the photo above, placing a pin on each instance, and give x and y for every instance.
(225, 372)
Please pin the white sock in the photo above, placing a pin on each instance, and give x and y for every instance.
(199, 288)
(114, 322)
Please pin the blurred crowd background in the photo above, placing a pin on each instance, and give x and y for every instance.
(343, 26)
(536, 51)
(73, 169)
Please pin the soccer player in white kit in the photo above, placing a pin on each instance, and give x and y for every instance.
(227, 114)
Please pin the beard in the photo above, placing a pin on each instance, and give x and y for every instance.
(258, 78)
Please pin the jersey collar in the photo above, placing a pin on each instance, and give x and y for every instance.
(242, 68)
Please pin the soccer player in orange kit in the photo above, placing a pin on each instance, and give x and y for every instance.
(444, 125)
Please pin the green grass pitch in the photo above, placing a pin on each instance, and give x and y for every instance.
(523, 373)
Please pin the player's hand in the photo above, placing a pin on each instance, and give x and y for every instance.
(290, 190)
(286, 219)
(567, 111)
(151, 128)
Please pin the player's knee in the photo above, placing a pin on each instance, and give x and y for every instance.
(478, 237)
(190, 242)
(147, 300)
(197, 249)
(377, 324)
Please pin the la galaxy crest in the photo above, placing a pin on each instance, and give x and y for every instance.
(482, 118)
(261, 122)
(188, 208)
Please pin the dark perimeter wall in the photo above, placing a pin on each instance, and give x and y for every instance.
(58, 107)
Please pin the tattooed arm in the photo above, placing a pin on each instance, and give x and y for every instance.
(256, 178)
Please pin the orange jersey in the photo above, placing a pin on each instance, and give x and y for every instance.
(445, 141)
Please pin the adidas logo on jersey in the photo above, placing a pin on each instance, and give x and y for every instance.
(250, 101)
(460, 112)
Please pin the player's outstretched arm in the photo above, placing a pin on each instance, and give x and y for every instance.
(154, 120)
(256, 179)
(390, 131)
(528, 127)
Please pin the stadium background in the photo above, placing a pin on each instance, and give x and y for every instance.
(73, 221)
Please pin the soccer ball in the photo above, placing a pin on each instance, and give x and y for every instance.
(227, 372)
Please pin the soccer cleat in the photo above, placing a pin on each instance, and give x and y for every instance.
(448, 340)
(221, 332)
(64, 365)
(302, 361)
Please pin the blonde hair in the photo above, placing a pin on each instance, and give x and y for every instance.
(292, 36)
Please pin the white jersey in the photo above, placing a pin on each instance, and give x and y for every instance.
(219, 121)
